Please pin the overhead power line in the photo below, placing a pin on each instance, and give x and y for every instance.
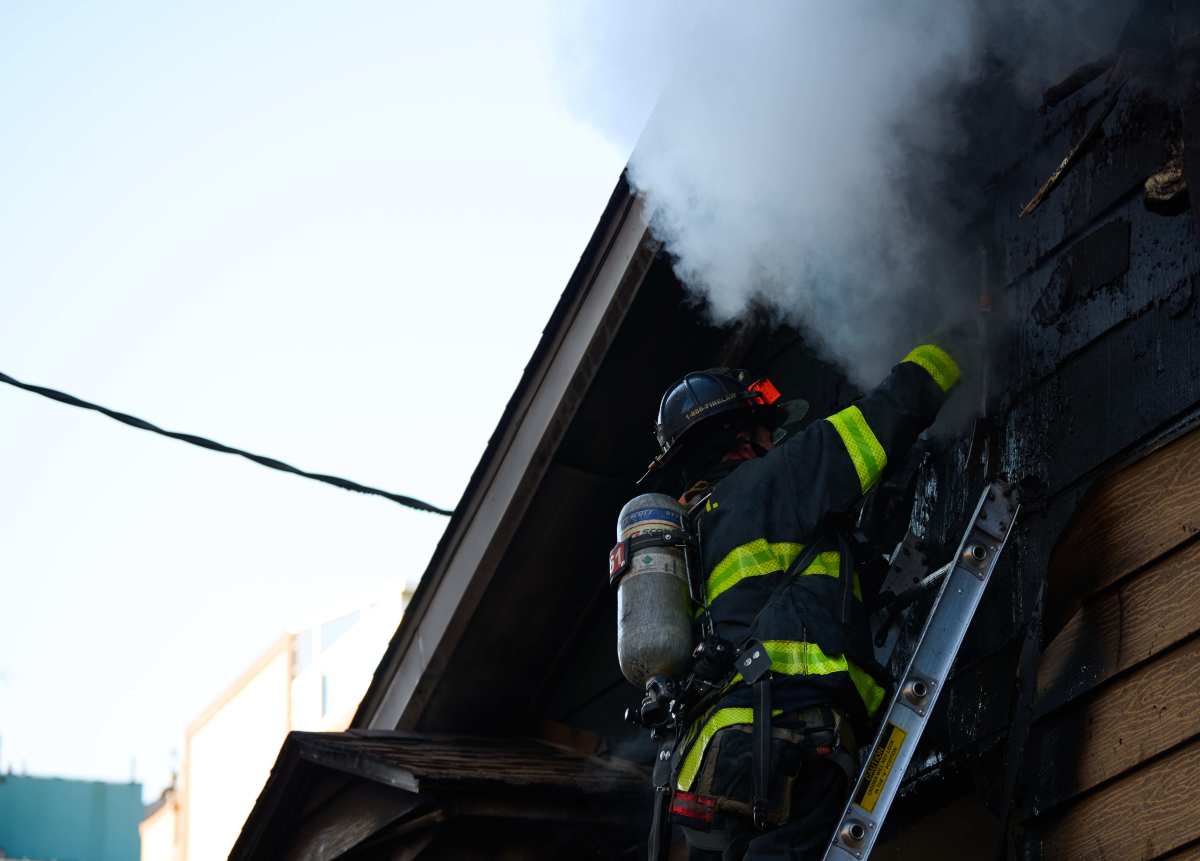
(271, 462)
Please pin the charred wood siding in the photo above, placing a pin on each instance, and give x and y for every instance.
(1100, 300)
(1107, 359)
(1101, 365)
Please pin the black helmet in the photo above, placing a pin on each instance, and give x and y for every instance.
(701, 395)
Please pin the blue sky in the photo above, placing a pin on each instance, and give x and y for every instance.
(330, 233)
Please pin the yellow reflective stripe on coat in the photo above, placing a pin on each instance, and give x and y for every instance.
(938, 363)
(788, 658)
(759, 557)
(753, 559)
(719, 719)
(797, 658)
(864, 449)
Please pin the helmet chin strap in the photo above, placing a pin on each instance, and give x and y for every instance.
(748, 448)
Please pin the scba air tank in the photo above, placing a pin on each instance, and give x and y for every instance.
(654, 612)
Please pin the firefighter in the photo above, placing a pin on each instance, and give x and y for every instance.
(764, 771)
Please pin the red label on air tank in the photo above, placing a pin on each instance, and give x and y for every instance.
(616, 560)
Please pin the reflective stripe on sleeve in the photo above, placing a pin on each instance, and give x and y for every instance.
(864, 449)
(759, 557)
(752, 559)
(937, 363)
(869, 689)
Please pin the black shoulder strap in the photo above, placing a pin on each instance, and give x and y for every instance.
(802, 561)
(761, 756)
(658, 841)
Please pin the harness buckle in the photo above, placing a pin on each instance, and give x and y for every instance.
(753, 661)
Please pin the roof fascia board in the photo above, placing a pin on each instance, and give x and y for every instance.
(362, 766)
(493, 513)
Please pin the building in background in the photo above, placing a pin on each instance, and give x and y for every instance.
(50, 818)
(227, 748)
(310, 680)
(159, 828)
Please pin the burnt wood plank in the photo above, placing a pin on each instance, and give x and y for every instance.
(1142, 816)
(1132, 146)
(1117, 271)
(1136, 381)
(1123, 626)
(1135, 718)
(1126, 521)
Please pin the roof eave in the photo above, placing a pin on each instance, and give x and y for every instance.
(575, 339)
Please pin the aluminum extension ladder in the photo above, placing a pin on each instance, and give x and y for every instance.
(926, 675)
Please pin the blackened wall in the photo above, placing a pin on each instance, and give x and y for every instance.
(1099, 362)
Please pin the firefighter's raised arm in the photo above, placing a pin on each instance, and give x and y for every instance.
(835, 461)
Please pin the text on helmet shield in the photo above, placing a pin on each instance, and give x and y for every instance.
(695, 411)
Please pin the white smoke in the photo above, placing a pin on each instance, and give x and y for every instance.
(798, 152)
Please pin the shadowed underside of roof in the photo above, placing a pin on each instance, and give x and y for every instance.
(366, 794)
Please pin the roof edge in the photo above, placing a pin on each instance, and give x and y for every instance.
(371, 713)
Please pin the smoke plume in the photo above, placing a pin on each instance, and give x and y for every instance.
(809, 158)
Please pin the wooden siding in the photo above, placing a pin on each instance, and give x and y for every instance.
(1124, 626)
(1128, 522)
(1116, 745)
(1146, 815)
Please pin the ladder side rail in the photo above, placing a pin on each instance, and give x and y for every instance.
(928, 670)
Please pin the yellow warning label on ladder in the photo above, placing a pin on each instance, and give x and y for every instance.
(879, 768)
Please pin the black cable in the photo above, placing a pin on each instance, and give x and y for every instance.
(343, 483)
